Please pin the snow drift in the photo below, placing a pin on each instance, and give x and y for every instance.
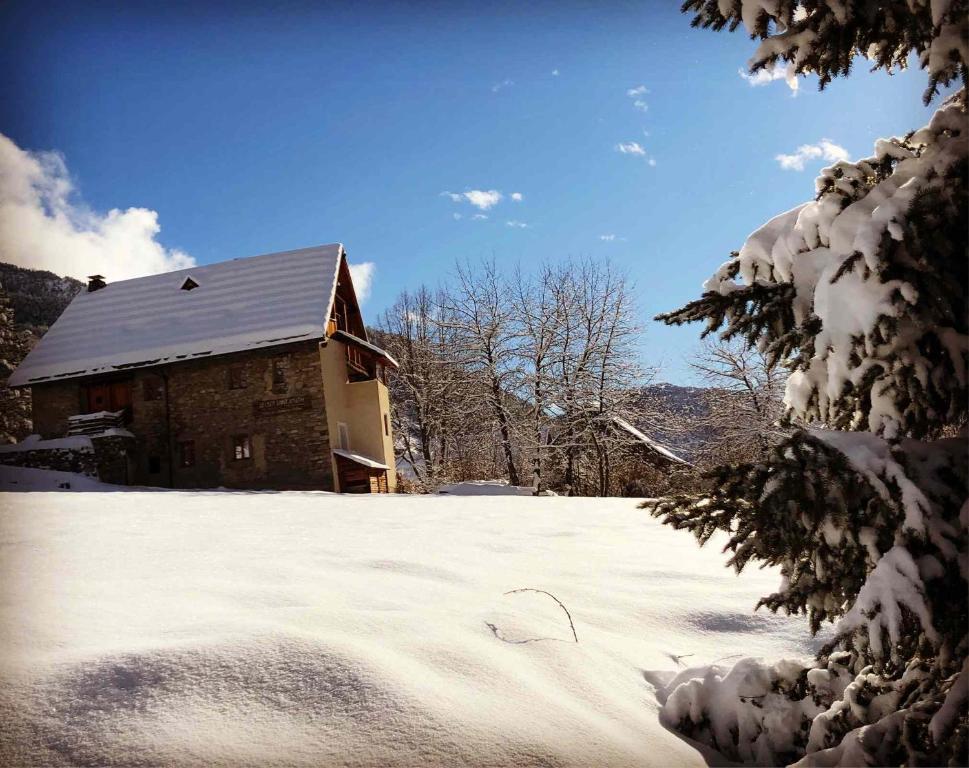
(190, 629)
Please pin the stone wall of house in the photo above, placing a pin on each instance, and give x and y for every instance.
(279, 407)
(273, 397)
(115, 458)
(51, 404)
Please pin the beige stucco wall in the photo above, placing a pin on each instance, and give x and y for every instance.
(361, 406)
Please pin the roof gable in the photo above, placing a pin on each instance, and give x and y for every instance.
(237, 305)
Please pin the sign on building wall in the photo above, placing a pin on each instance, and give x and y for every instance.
(281, 405)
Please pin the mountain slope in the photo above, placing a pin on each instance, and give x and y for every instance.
(38, 297)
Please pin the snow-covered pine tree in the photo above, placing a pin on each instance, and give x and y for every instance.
(862, 294)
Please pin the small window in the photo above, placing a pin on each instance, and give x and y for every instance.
(241, 447)
(237, 377)
(386, 425)
(154, 465)
(186, 453)
(189, 284)
(354, 358)
(344, 436)
(279, 374)
(151, 388)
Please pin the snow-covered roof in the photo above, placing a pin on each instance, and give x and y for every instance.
(238, 305)
(649, 442)
(359, 458)
(338, 335)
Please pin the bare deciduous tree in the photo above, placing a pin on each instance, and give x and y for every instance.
(744, 403)
(530, 370)
(478, 310)
(427, 387)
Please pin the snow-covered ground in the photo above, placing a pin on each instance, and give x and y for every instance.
(238, 629)
(486, 488)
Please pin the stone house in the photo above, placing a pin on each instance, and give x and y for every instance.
(251, 373)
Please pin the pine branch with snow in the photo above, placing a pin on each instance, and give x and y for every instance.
(862, 295)
(823, 37)
(862, 292)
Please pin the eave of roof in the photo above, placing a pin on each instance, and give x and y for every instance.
(350, 338)
(359, 459)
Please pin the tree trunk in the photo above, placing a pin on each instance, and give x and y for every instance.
(502, 418)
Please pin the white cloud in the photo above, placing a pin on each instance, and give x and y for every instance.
(362, 276)
(44, 225)
(483, 200)
(611, 238)
(652, 162)
(479, 217)
(457, 216)
(631, 148)
(636, 95)
(824, 149)
(502, 85)
(479, 198)
(517, 196)
(555, 73)
(516, 224)
(770, 74)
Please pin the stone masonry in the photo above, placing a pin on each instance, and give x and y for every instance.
(189, 420)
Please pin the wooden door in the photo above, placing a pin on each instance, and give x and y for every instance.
(110, 396)
(120, 395)
(97, 397)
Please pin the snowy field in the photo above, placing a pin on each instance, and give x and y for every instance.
(255, 629)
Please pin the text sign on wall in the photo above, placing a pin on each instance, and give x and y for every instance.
(281, 405)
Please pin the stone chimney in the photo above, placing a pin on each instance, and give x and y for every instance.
(95, 283)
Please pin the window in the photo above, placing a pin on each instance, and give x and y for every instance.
(237, 377)
(151, 388)
(186, 453)
(344, 436)
(154, 465)
(279, 374)
(189, 284)
(241, 447)
(354, 358)
(386, 425)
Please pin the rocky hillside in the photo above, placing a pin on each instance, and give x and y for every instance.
(37, 297)
(674, 416)
(14, 404)
(30, 301)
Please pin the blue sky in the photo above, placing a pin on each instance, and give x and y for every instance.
(257, 131)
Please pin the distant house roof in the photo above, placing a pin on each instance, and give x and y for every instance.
(651, 444)
(233, 306)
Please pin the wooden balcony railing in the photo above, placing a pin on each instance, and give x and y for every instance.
(95, 423)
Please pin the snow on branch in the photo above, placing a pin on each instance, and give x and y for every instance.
(863, 291)
(823, 37)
